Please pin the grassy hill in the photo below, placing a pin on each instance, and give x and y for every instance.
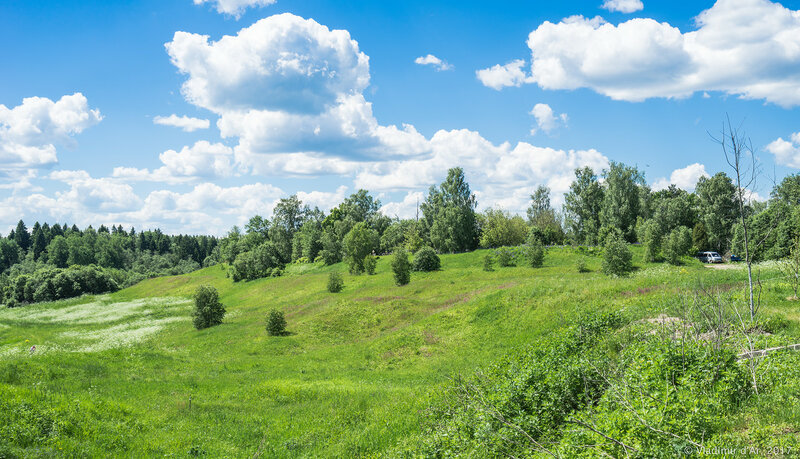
(127, 374)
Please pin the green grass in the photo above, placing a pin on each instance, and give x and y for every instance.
(349, 380)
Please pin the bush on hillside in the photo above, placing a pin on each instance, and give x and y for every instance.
(257, 263)
(534, 250)
(358, 243)
(505, 257)
(401, 267)
(335, 282)
(208, 311)
(370, 264)
(581, 265)
(426, 260)
(488, 262)
(617, 256)
(276, 323)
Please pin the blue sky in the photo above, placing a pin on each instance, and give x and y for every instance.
(322, 98)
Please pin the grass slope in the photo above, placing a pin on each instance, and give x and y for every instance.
(126, 374)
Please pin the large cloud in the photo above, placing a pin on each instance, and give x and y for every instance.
(281, 63)
(30, 131)
(749, 48)
(288, 85)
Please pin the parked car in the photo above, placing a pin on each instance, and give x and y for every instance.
(709, 257)
(736, 258)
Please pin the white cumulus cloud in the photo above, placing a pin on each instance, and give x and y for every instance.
(30, 131)
(623, 6)
(685, 178)
(546, 118)
(787, 152)
(201, 160)
(500, 76)
(747, 48)
(433, 61)
(234, 8)
(291, 91)
(188, 124)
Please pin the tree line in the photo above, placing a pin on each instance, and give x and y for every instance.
(57, 261)
(616, 202)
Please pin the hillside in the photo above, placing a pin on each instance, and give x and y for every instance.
(128, 373)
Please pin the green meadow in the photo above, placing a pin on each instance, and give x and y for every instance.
(127, 375)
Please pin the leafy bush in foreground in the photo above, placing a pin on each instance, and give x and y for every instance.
(426, 260)
(567, 395)
(536, 389)
(208, 311)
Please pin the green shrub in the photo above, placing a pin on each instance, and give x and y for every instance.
(535, 252)
(581, 265)
(357, 244)
(678, 244)
(536, 388)
(426, 260)
(505, 257)
(335, 282)
(276, 323)
(661, 396)
(370, 263)
(401, 267)
(208, 311)
(488, 262)
(651, 237)
(617, 256)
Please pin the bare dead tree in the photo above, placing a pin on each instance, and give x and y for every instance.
(739, 154)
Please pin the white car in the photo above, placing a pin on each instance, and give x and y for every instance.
(710, 257)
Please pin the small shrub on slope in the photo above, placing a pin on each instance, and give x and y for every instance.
(208, 311)
(335, 282)
(505, 257)
(534, 251)
(370, 263)
(401, 267)
(276, 323)
(426, 260)
(488, 262)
